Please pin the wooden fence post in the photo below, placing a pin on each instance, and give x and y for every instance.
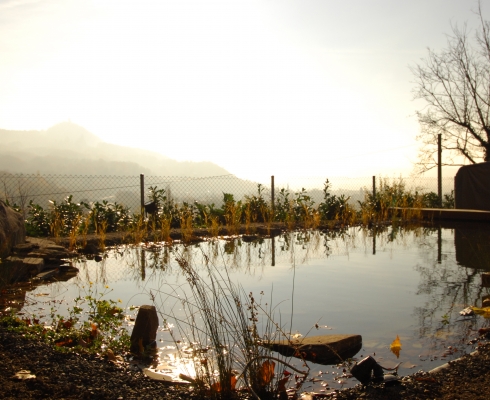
(142, 192)
(272, 197)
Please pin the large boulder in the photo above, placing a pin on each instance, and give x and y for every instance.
(472, 187)
(12, 229)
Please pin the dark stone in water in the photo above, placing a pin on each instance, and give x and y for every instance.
(324, 349)
(145, 330)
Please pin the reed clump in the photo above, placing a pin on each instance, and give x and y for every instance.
(228, 331)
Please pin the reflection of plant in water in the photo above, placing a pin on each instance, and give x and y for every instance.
(448, 288)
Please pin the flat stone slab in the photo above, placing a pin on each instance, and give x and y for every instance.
(32, 262)
(324, 349)
(47, 274)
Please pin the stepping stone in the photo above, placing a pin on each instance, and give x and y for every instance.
(34, 262)
(324, 349)
(47, 274)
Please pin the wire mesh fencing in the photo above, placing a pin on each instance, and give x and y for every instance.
(129, 191)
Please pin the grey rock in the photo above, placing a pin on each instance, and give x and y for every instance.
(12, 229)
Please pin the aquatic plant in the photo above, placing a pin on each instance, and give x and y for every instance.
(232, 211)
(228, 331)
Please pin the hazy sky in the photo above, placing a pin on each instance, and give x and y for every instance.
(271, 87)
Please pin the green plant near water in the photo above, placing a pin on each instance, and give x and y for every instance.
(67, 218)
(93, 324)
(335, 208)
(232, 211)
(377, 207)
(298, 210)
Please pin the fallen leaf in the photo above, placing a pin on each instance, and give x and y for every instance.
(94, 331)
(24, 374)
(396, 346)
(281, 386)
(422, 379)
(216, 387)
(110, 355)
(64, 343)
(483, 331)
(267, 372)
(68, 324)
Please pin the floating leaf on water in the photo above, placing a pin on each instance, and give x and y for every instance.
(396, 346)
(485, 311)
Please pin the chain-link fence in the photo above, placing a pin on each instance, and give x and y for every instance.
(20, 189)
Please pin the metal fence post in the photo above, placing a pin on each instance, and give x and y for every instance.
(272, 196)
(439, 168)
(142, 192)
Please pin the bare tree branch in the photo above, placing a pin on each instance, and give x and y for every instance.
(455, 85)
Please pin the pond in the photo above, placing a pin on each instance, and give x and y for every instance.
(379, 283)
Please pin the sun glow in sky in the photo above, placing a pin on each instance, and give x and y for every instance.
(270, 87)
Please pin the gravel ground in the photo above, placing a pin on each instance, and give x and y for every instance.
(72, 376)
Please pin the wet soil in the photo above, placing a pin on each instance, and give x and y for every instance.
(59, 375)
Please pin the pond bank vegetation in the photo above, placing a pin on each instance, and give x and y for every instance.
(75, 224)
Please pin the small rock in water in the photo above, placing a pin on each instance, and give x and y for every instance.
(467, 311)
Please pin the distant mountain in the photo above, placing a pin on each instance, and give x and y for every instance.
(67, 148)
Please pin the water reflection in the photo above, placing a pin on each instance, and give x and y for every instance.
(379, 282)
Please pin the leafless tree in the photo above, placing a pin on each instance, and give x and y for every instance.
(455, 85)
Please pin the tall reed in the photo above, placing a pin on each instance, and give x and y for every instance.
(165, 229)
(229, 331)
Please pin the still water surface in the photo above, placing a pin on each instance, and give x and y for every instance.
(379, 284)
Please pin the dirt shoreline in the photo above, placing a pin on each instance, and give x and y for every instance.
(77, 376)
